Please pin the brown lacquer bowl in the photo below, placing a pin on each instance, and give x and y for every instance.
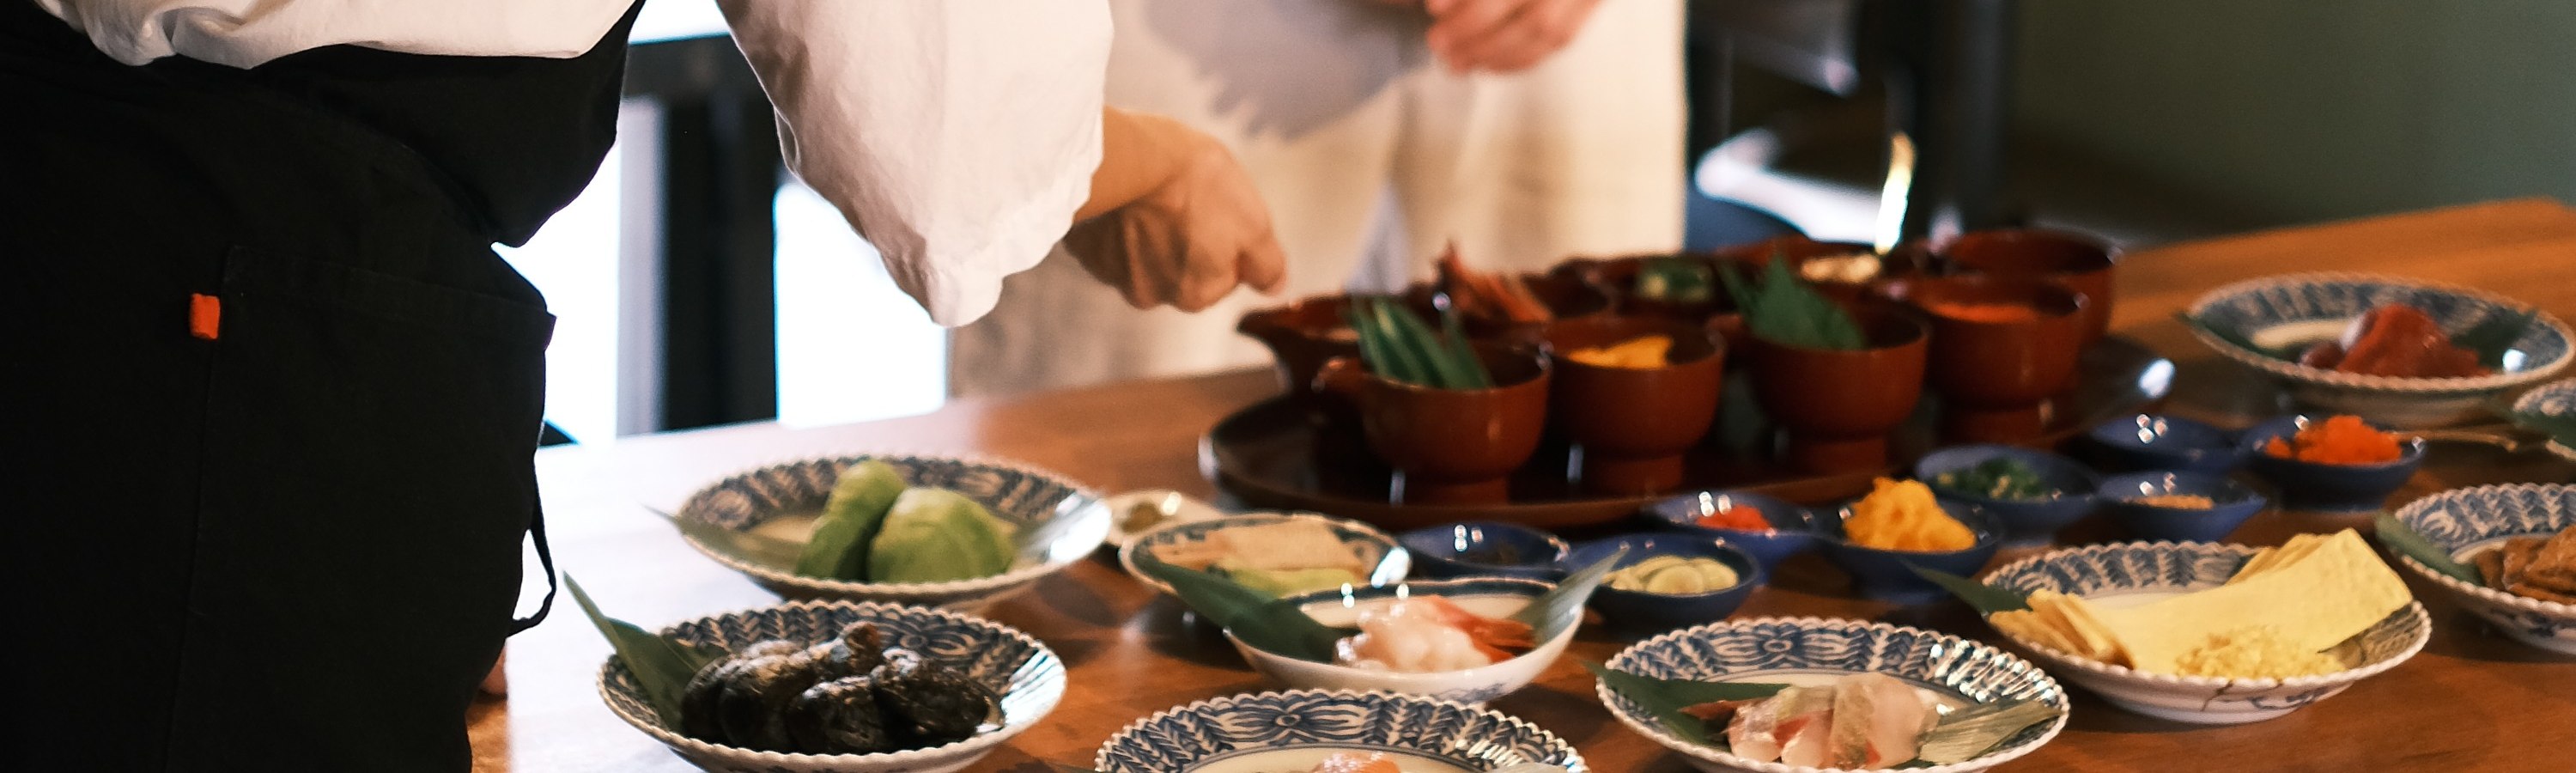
(2084, 262)
(1631, 426)
(2001, 347)
(1617, 278)
(1839, 406)
(1566, 297)
(1451, 446)
(1302, 335)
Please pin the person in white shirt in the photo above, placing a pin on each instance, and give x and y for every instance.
(1528, 131)
(272, 397)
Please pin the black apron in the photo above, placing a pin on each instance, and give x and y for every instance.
(270, 398)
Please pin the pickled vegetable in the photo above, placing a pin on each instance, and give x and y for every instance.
(1675, 575)
(937, 535)
(851, 517)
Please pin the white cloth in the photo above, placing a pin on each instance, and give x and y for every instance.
(958, 137)
(1371, 157)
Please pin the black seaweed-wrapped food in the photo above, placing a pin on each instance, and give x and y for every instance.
(858, 650)
(753, 703)
(700, 714)
(928, 703)
(840, 716)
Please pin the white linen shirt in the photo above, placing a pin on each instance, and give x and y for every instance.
(958, 137)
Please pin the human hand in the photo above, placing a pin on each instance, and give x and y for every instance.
(1502, 35)
(1189, 240)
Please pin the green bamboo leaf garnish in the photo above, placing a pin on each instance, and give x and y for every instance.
(1399, 346)
(766, 551)
(661, 666)
(2494, 336)
(1266, 623)
(1562, 606)
(2404, 541)
(1782, 309)
(1976, 729)
(1665, 699)
(2234, 338)
(1463, 352)
(1986, 599)
(2560, 428)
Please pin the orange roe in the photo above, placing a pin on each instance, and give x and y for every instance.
(1985, 312)
(2337, 440)
(1738, 517)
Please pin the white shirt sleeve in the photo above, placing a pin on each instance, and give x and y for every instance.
(247, 33)
(957, 137)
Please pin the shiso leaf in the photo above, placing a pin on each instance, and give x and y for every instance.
(661, 666)
(1973, 731)
(1986, 599)
(770, 552)
(1665, 698)
(1266, 623)
(1784, 310)
(2404, 541)
(2493, 337)
(1561, 607)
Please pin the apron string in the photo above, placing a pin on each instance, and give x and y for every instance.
(545, 557)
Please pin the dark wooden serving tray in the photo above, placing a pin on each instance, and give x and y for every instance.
(1268, 455)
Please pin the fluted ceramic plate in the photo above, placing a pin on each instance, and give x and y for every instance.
(2296, 308)
(2557, 398)
(1286, 732)
(1066, 522)
(1028, 676)
(1387, 562)
(2129, 573)
(1810, 650)
(2469, 521)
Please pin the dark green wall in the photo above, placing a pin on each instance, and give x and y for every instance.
(2299, 110)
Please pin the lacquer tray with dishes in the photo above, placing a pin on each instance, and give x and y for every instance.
(1791, 367)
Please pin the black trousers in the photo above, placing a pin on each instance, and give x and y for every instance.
(285, 539)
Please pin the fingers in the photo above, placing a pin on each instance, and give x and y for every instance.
(1531, 32)
(1263, 265)
(1458, 24)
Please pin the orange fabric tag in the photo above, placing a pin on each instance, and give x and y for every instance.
(205, 316)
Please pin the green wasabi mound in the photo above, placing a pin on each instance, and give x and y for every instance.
(937, 535)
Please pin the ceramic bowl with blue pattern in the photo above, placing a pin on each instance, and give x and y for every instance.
(1485, 548)
(1643, 612)
(1385, 562)
(1028, 676)
(1810, 650)
(2132, 573)
(2147, 442)
(1793, 528)
(2125, 497)
(2557, 398)
(2284, 314)
(2332, 488)
(1495, 597)
(1284, 732)
(764, 515)
(2026, 522)
(2474, 520)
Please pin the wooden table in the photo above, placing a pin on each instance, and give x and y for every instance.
(2470, 701)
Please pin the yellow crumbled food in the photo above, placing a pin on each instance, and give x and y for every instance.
(2253, 652)
(2282, 609)
(1641, 352)
(1902, 515)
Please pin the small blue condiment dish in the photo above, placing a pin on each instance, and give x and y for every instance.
(1879, 573)
(1485, 548)
(2148, 442)
(1636, 612)
(2025, 522)
(2231, 504)
(2333, 488)
(1793, 527)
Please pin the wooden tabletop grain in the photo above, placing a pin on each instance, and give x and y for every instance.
(2471, 701)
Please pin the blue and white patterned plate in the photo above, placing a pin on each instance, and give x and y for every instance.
(1810, 649)
(2557, 398)
(1387, 561)
(2143, 571)
(1497, 597)
(1068, 521)
(1273, 732)
(1028, 676)
(2472, 520)
(2301, 307)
